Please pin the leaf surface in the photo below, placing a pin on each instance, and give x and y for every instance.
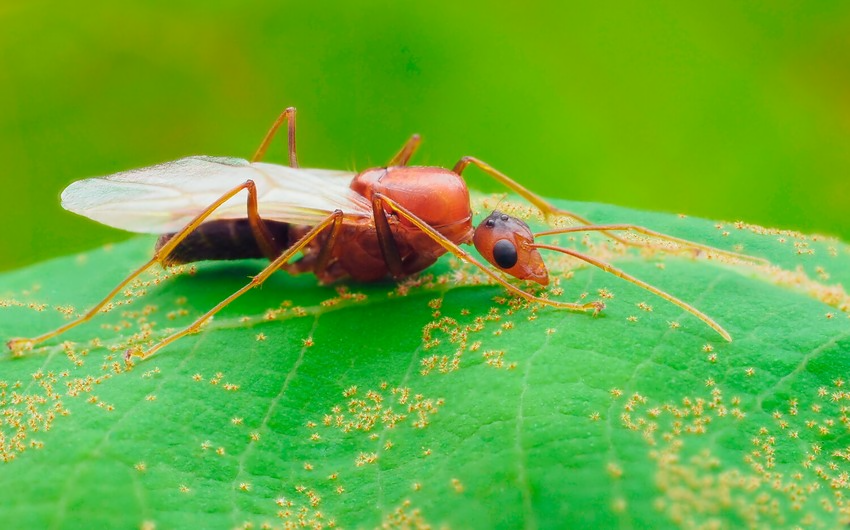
(440, 402)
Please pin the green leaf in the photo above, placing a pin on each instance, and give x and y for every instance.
(440, 402)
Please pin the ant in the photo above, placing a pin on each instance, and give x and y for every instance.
(392, 221)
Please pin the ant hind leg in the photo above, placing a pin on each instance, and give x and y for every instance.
(288, 116)
(264, 239)
(334, 220)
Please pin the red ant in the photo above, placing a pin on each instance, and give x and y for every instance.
(391, 221)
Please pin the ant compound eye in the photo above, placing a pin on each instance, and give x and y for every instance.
(505, 217)
(489, 223)
(504, 254)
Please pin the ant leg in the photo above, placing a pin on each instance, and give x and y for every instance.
(596, 306)
(684, 244)
(452, 247)
(621, 274)
(261, 232)
(389, 249)
(325, 253)
(402, 157)
(289, 116)
(334, 220)
(548, 209)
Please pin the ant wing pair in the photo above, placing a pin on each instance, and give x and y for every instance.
(165, 198)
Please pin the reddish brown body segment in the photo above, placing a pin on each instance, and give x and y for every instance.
(437, 196)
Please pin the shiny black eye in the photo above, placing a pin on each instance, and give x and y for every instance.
(490, 223)
(504, 254)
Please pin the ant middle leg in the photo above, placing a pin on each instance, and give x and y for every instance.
(261, 233)
(288, 116)
(402, 157)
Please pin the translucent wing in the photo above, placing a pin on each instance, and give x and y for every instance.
(165, 197)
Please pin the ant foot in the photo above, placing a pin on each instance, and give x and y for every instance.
(129, 353)
(19, 346)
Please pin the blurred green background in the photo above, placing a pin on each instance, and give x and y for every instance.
(724, 109)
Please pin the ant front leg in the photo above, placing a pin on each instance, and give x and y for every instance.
(261, 232)
(452, 247)
(386, 241)
(288, 116)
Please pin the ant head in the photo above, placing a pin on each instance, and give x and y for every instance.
(505, 242)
